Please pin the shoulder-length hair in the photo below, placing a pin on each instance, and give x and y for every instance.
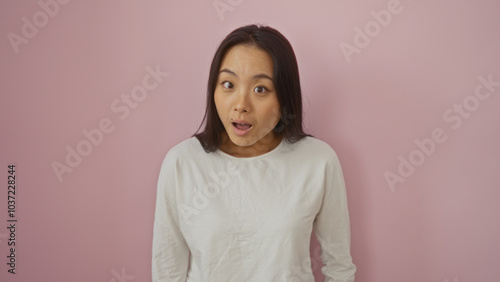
(285, 78)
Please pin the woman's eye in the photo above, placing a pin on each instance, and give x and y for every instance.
(227, 84)
(260, 89)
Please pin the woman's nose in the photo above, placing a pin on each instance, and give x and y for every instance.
(242, 103)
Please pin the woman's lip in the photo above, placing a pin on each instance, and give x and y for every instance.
(240, 121)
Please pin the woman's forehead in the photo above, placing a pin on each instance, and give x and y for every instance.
(247, 61)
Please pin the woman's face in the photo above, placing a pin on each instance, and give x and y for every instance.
(246, 101)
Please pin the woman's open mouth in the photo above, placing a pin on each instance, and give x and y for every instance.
(241, 129)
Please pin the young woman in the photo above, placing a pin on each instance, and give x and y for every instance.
(238, 201)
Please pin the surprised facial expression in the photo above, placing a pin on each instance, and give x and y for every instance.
(245, 96)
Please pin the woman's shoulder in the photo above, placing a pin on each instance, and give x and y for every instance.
(313, 145)
(187, 149)
(314, 149)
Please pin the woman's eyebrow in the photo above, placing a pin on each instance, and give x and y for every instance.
(260, 75)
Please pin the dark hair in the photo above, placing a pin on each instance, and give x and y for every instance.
(285, 78)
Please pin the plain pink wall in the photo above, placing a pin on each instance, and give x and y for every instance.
(372, 97)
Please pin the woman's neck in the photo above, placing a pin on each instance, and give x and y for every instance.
(264, 145)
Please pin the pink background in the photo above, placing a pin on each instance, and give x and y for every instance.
(439, 224)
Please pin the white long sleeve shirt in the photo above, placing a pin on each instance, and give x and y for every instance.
(221, 218)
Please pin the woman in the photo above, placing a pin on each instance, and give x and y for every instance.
(238, 201)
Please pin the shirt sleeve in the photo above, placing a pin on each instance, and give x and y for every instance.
(332, 227)
(170, 257)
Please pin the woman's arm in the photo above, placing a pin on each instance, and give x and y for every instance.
(332, 227)
(170, 251)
